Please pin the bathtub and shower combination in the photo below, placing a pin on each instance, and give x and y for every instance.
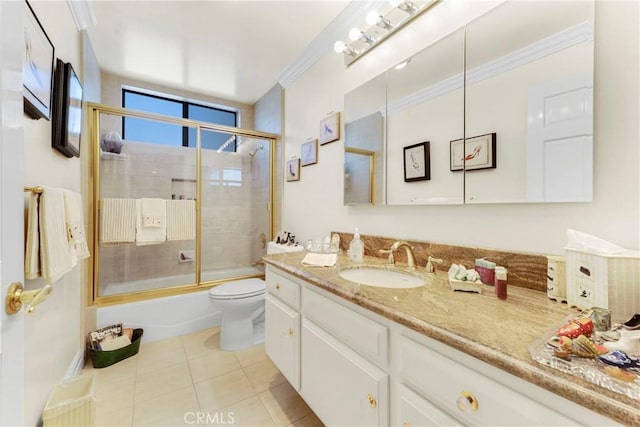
(228, 173)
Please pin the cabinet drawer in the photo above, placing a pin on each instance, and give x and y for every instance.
(361, 333)
(414, 411)
(283, 288)
(445, 383)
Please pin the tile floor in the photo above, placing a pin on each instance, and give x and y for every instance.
(188, 380)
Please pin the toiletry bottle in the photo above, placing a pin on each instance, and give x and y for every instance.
(356, 248)
(501, 282)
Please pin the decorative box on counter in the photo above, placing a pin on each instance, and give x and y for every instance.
(600, 274)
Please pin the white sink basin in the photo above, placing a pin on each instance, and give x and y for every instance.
(382, 278)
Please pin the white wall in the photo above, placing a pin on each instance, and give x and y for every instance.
(54, 335)
(313, 206)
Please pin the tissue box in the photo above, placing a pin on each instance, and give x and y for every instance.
(609, 281)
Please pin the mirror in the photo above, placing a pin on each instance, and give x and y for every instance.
(425, 104)
(525, 104)
(365, 110)
(529, 84)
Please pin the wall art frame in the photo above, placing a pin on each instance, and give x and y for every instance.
(293, 170)
(37, 67)
(478, 152)
(66, 116)
(330, 128)
(417, 162)
(309, 152)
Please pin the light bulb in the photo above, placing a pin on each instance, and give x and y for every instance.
(339, 46)
(372, 17)
(355, 34)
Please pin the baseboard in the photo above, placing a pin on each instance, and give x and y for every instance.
(75, 368)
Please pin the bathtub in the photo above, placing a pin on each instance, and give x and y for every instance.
(168, 316)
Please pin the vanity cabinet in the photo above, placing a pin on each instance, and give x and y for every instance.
(355, 367)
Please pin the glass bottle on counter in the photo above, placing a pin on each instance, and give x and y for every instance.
(501, 282)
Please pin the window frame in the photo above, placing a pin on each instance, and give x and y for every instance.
(185, 102)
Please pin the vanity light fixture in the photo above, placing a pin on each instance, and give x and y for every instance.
(380, 27)
(341, 47)
(357, 34)
(405, 6)
(374, 18)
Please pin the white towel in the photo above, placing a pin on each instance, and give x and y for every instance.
(56, 257)
(75, 224)
(154, 212)
(32, 251)
(149, 235)
(118, 221)
(181, 219)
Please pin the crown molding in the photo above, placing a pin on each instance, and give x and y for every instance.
(352, 15)
(82, 13)
(582, 32)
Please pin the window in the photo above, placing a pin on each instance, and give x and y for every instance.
(162, 133)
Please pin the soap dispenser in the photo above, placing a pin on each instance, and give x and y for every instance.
(356, 248)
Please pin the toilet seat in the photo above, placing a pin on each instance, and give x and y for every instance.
(238, 289)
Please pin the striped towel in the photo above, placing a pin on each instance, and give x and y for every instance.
(181, 219)
(74, 217)
(56, 257)
(118, 221)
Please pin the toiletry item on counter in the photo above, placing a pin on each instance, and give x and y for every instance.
(486, 270)
(319, 260)
(629, 342)
(334, 246)
(556, 278)
(501, 282)
(461, 279)
(356, 248)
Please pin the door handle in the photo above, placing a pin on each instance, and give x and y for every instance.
(17, 296)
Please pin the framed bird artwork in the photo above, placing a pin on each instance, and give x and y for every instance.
(330, 129)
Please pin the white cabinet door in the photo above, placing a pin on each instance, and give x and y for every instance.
(414, 411)
(282, 339)
(341, 387)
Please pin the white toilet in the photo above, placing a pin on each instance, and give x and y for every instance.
(242, 305)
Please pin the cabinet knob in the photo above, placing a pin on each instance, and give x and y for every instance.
(372, 401)
(290, 332)
(277, 286)
(467, 402)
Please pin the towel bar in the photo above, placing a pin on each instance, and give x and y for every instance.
(36, 189)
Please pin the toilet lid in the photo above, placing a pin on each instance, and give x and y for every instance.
(238, 289)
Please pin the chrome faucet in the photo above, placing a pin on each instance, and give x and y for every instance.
(411, 259)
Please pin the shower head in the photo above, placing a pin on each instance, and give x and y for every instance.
(256, 150)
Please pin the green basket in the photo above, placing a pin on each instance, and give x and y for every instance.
(102, 359)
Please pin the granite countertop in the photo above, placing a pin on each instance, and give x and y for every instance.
(494, 331)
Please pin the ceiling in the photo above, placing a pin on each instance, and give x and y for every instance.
(229, 49)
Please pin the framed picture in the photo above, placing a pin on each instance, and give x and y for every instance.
(417, 162)
(309, 153)
(66, 110)
(330, 129)
(37, 67)
(293, 170)
(478, 152)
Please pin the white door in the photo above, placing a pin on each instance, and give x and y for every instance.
(11, 210)
(560, 141)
